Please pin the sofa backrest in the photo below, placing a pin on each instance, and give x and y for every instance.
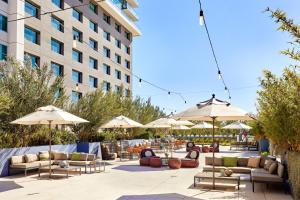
(147, 153)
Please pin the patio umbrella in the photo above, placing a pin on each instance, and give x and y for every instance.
(213, 110)
(180, 127)
(121, 122)
(203, 125)
(237, 125)
(49, 115)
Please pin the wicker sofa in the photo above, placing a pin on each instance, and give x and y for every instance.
(30, 162)
(261, 173)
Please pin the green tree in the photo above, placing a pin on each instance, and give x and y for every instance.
(23, 89)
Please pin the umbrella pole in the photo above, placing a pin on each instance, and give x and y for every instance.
(213, 137)
(50, 138)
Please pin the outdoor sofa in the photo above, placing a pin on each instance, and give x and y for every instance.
(261, 169)
(29, 162)
(191, 160)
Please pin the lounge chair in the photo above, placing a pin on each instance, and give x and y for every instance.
(145, 156)
(191, 160)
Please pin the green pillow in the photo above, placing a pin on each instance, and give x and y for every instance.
(230, 161)
(75, 157)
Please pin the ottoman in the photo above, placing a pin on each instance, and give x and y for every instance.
(155, 162)
(174, 163)
(145, 161)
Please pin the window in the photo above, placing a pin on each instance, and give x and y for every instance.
(94, 26)
(77, 35)
(77, 55)
(57, 46)
(106, 86)
(127, 78)
(93, 82)
(127, 92)
(117, 88)
(127, 50)
(128, 35)
(57, 23)
(32, 10)
(5, 1)
(35, 60)
(76, 76)
(127, 64)
(106, 69)
(77, 15)
(93, 63)
(118, 43)
(118, 27)
(118, 58)
(57, 69)
(106, 18)
(93, 7)
(3, 23)
(31, 35)
(76, 96)
(58, 3)
(3, 52)
(93, 44)
(118, 74)
(106, 35)
(106, 52)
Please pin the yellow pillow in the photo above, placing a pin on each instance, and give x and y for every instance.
(253, 162)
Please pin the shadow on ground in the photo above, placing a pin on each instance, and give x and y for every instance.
(168, 196)
(8, 185)
(138, 168)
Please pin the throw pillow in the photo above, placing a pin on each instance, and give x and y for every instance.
(273, 168)
(193, 155)
(208, 161)
(242, 162)
(60, 156)
(148, 153)
(268, 163)
(280, 170)
(75, 157)
(17, 159)
(253, 162)
(230, 161)
(44, 156)
(83, 156)
(190, 144)
(31, 158)
(263, 159)
(218, 161)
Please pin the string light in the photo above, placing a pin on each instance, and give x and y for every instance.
(140, 82)
(220, 75)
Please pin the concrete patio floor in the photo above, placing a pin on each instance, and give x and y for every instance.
(128, 181)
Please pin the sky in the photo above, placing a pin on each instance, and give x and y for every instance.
(174, 53)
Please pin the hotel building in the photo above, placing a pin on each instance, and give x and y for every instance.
(89, 43)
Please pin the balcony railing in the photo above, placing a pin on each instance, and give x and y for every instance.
(126, 6)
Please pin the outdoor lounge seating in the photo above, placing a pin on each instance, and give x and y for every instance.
(145, 156)
(106, 154)
(189, 146)
(35, 161)
(191, 160)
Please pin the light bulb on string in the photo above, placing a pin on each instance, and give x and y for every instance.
(219, 74)
(201, 18)
(140, 82)
(74, 42)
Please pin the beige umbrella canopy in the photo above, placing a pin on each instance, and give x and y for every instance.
(180, 127)
(49, 115)
(237, 125)
(165, 123)
(213, 110)
(121, 122)
(203, 125)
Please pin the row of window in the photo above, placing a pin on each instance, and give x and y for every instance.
(34, 10)
(77, 75)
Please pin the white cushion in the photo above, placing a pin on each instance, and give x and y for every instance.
(193, 155)
(190, 144)
(148, 154)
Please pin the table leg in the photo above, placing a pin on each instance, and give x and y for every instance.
(239, 184)
(67, 173)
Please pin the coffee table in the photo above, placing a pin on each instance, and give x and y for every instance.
(209, 175)
(55, 169)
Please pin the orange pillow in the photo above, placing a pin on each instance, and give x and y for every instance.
(253, 162)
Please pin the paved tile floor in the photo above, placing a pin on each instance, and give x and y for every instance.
(128, 181)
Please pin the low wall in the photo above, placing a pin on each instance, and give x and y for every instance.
(6, 154)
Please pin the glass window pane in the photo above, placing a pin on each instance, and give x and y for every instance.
(3, 52)
(3, 23)
(31, 35)
(31, 9)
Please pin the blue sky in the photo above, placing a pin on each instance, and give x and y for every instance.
(174, 51)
